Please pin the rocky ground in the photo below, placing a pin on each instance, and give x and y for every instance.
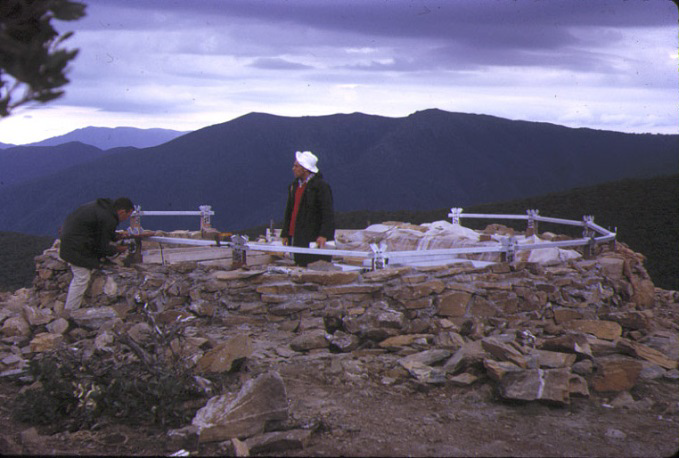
(350, 415)
(575, 358)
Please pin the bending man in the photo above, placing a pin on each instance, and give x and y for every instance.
(86, 238)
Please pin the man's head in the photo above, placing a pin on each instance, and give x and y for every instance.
(305, 163)
(123, 207)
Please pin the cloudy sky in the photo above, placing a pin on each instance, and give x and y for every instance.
(179, 64)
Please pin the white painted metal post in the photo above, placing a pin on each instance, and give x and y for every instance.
(455, 215)
(509, 245)
(532, 224)
(588, 232)
(238, 258)
(379, 261)
(204, 217)
(135, 221)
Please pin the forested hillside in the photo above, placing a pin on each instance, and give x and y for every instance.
(16, 258)
(644, 212)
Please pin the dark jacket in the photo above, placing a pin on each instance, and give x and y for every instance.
(87, 234)
(315, 218)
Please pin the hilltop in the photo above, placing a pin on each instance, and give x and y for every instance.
(566, 355)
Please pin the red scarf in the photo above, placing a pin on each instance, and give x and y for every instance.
(295, 209)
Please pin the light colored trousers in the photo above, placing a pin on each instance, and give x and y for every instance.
(78, 286)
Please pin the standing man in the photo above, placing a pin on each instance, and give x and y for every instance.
(309, 215)
(86, 238)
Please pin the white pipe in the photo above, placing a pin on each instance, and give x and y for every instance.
(173, 213)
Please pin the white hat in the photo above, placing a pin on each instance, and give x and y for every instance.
(307, 160)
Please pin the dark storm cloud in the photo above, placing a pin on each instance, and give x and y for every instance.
(398, 18)
(436, 34)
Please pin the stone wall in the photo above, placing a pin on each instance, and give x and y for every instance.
(574, 326)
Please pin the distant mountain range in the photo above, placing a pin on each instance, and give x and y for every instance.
(26, 163)
(430, 159)
(106, 138)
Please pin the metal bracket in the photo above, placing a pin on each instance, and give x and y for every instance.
(587, 231)
(239, 258)
(379, 261)
(205, 217)
(532, 224)
(135, 221)
(455, 215)
(509, 245)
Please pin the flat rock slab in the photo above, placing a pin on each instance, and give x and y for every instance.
(259, 401)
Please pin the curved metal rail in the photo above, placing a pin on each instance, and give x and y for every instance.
(379, 256)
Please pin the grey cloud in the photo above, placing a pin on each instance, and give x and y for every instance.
(430, 18)
(273, 63)
(462, 33)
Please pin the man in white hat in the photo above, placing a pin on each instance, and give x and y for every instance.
(309, 214)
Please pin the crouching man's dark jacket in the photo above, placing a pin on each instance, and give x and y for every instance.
(87, 234)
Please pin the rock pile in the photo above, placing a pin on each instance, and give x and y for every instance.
(536, 331)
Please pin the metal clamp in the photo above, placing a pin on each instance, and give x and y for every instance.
(239, 258)
(509, 245)
(135, 221)
(531, 223)
(205, 211)
(588, 232)
(455, 213)
(379, 261)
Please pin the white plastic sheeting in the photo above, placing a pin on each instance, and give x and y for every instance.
(444, 235)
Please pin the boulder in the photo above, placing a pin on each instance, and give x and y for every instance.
(140, 332)
(503, 352)
(223, 356)
(454, 304)
(36, 316)
(93, 317)
(377, 323)
(496, 370)
(310, 340)
(404, 340)
(424, 373)
(58, 326)
(568, 343)
(553, 359)
(343, 342)
(464, 379)
(46, 341)
(260, 401)
(324, 278)
(649, 354)
(612, 266)
(602, 329)
(427, 357)
(549, 385)
(16, 326)
(278, 441)
(471, 353)
(615, 373)
(111, 287)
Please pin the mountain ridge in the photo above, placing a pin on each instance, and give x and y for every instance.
(429, 159)
(106, 138)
